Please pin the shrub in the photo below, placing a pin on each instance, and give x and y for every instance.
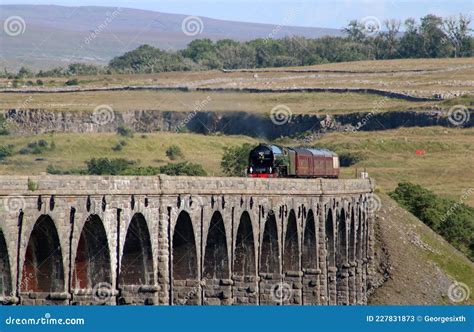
(6, 151)
(3, 126)
(347, 159)
(105, 166)
(452, 220)
(183, 168)
(174, 152)
(72, 81)
(124, 131)
(39, 82)
(235, 159)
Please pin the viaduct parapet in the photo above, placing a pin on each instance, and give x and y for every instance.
(184, 240)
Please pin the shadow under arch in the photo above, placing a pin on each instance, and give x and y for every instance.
(43, 270)
(137, 259)
(244, 258)
(330, 243)
(92, 265)
(291, 247)
(184, 249)
(341, 256)
(309, 255)
(5, 271)
(216, 259)
(269, 256)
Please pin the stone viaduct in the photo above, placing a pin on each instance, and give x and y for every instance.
(184, 240)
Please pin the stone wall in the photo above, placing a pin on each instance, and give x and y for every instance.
(34, 121)
(184, 240)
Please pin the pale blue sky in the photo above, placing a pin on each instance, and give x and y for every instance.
(316, 13)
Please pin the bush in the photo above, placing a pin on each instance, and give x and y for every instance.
(347, 159)
(39, 82)
(235, 159)
(6, 151)
(174, 152)
(452, 220)
(104, 166)
(124, 131)
(72, 81)
(183, 168)
(3, 126)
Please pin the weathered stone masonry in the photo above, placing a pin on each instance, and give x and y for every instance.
(184, 240)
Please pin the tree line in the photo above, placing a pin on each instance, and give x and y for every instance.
(431, 37)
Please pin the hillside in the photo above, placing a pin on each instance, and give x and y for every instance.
(58, 35)
(419, 265)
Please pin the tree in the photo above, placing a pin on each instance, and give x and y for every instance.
(411, 43)
(457, 31)
(435, 41)
(355, 31)
(235, 159)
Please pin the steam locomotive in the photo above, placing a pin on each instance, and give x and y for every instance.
(272, 161)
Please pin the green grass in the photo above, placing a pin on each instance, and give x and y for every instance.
(390, 157)
(72, 150)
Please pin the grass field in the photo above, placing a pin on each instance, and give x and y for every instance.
(299, 103)
(423, 77)
(72, 150)
(389, 156)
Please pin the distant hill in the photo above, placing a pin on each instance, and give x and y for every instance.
(58, 35)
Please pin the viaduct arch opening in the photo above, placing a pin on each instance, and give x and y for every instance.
(291, 248)
(5, 272)
(92, 264)
(43, 270)
(216, 259)
(244, 258)
(137, 259)
(184, 249)
(309, 255)
(269, 257)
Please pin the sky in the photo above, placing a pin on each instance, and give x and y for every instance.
(312, 13)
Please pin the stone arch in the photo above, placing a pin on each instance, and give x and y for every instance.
(244, 257)
(137, 260)
(184, 249)
(291, 246)
(341, 256)
(269, 257)
(360, 236)
(5, 271)
(92, 265)
(43, 270)
(310, 257)
(352, 238)
(216, 258)
(330, 241)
